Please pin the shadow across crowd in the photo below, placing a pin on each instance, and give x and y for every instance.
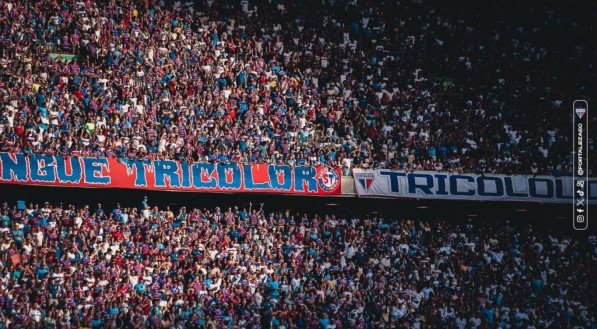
(343, 83)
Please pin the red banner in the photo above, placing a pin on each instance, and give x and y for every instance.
(168, 175)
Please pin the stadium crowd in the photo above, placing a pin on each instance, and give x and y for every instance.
(91, 267)
(408, 85)
(342, 83)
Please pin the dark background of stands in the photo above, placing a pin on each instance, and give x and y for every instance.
(558, 215)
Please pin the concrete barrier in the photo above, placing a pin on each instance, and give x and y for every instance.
(348, 186)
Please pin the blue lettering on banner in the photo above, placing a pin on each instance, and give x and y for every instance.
(186, 174)
(441, 185)
(454, 185)
(499, 186)
(203, 175)
(138, 167)
(75, 165)
(413, 185)
(14, 167)
(304, 177)
(166, 171)
(93, 171)
(128, 173)
(42, 169)
(229, 176)
(533, 188)
(249, 182)
(394, 185)
(447, 186)
(280, 177)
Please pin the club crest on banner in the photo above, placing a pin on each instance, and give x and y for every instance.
(365, 179)
(328, 179)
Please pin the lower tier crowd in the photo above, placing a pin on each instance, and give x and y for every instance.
(62, 266)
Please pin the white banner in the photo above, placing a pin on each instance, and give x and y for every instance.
(437, 185)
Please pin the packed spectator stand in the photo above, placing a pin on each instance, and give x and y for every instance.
(244, 267)
(473, 89)
(409, 85)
